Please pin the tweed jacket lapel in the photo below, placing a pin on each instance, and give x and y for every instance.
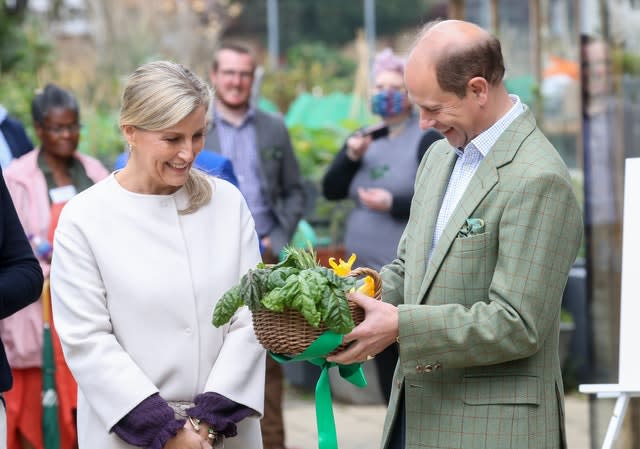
(430, 190)
(482, 182)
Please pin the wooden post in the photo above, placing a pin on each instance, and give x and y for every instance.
(495, 17)
(361, 86)
(535, 22)
(456, 9)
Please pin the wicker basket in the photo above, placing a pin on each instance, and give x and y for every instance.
(290, 333)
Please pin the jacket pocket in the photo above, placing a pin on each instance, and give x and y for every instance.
(476, 242)
(507, 389)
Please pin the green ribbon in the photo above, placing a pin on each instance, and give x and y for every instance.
(316, 353)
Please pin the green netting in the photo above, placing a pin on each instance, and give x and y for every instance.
(522, 86)
(267, 105)
(314, 112)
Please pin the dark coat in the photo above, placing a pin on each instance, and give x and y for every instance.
(20, 274)
(16, 137)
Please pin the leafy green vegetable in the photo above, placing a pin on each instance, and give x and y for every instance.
(298, 283)
(227, 306)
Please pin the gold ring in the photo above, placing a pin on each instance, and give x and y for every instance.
(371, 357)
(195, 423)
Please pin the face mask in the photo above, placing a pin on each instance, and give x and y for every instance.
(388, 103)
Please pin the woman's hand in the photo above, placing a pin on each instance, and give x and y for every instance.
(189, 438)
(376, 198)
(204, 432)
(356, 146)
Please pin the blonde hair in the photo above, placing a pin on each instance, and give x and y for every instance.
(157, 96)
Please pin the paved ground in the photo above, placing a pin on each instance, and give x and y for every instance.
(360, 426)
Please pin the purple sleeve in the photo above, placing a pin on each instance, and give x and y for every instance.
(222, 413)
(150, 424)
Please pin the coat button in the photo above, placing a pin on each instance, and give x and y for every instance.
(419, 368)
(437, 366)
(428, 368)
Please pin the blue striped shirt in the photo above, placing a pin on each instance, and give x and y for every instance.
(467, 164)
(239, 144)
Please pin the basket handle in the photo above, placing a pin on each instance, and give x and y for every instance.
(377, 281)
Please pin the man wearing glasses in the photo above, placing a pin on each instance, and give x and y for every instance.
(259, 147)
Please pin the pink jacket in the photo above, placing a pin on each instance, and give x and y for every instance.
(22, 332)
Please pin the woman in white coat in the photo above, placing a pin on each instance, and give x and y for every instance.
(141, 258)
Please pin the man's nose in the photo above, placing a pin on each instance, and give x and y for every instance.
(426, 120)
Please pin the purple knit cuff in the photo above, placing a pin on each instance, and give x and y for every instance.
(166, 433)
(222, 413)
(150, 424)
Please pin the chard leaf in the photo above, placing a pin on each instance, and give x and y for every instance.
(250, 290)
(278, 277)
(280, 298)
(338, 317)
(227, 306)
(274, 300)
(304, 301)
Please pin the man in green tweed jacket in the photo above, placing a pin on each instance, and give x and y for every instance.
(474, 295)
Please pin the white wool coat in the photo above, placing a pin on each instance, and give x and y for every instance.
(134, 284)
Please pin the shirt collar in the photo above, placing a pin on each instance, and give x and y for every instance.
(484, 141)
(3, 113)
(248, 116)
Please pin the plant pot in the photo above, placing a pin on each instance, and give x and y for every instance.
(324, 253)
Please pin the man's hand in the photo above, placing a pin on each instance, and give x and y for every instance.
(376, 198)
(378, 330)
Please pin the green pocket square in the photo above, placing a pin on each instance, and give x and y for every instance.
(472, 226)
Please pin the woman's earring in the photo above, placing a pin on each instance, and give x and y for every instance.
(131, 148)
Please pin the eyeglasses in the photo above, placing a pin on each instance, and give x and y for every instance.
(234, 73)
(59, 130)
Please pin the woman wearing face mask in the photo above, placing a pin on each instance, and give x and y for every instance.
(378, 173)
(140, 261)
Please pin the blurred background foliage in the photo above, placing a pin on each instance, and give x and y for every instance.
(320, 59)
(310, 67)
(334, 21)
(23, 55)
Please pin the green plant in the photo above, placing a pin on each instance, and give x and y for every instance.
(296, 283)
(24, 53)
(311, 67)
(315, 149)
(565, 316)
(626, 61)
(100, 136)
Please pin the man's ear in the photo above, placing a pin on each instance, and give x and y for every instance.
(478, 88)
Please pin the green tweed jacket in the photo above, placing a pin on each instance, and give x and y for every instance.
(479, 322)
